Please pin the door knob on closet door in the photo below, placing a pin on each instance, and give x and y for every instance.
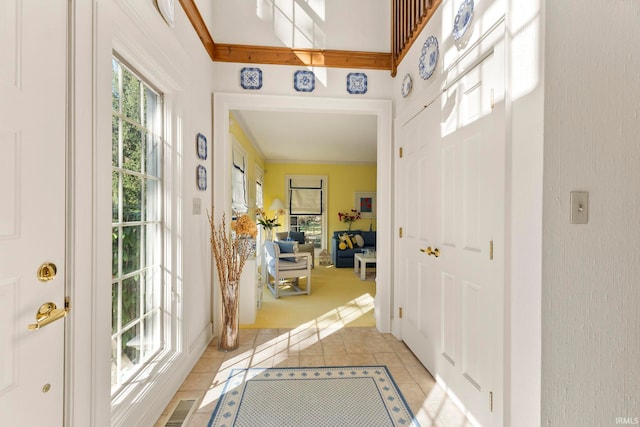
(429, 251)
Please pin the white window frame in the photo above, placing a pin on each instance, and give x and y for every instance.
(154, 271)
(150, 379)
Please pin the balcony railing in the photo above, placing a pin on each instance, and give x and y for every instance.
(408, 18)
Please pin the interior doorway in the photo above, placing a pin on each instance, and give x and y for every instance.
(381, 109)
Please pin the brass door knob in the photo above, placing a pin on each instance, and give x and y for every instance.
(430, 251)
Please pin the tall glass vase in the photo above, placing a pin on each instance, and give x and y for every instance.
(230, 317)
(268, 234)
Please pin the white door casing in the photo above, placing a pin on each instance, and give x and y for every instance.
(32, 219)
(451, 198)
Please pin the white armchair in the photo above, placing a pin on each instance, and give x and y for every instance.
(282, 266)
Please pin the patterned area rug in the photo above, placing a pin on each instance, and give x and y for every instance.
(323, 396)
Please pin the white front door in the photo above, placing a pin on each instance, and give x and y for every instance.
(451, 190)
(33, 37)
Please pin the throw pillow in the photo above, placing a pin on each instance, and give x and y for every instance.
(359, 240)
(342, 246)
(288, 248)
(347, 240)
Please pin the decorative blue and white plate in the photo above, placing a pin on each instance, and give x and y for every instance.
(407, 84)
(304, 81)
(463, 19)
(428, 58)
(357, 83)
(251, 78)
(201, 144)
(201, 177)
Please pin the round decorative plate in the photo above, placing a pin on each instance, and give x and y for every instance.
(407, 84)
(463, 19)
(428, 58)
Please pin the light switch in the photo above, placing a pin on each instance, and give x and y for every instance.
(196, 210)
(579, 207)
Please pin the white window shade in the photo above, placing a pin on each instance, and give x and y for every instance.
(239, 187)
(305, 196)
(259, 194)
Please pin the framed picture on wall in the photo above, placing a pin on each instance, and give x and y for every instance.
(366, 204)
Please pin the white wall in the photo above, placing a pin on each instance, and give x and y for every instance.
(590, 292)
(525, 95)
(278, 80)
(174, 61)
(361, 25)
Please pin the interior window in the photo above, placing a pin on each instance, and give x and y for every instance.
(239, 183)
(307, 201)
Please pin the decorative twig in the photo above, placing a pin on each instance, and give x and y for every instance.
(230, 254)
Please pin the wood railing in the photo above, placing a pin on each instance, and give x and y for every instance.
(408, 18)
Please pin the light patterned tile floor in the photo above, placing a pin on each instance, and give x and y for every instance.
(306, 346)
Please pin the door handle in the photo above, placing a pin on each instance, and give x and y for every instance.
(48, 313)
(429, 251)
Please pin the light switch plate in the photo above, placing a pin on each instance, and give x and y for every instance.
(196, 209)
(579, 207)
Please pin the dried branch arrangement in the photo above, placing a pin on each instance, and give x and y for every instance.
(230, 253)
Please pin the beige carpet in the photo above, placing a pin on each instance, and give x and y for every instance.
(338, 299)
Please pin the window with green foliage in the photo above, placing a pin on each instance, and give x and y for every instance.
(136, 279)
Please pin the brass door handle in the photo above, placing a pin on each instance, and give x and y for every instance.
(429, 251)
(47, 313)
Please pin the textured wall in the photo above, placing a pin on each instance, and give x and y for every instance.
(591, 292)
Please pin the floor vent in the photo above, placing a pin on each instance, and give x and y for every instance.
(179, 414)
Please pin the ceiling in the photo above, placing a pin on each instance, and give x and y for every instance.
(296, 137)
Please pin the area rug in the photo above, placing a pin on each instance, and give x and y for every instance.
(311, 397)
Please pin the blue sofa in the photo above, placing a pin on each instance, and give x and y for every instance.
(344, 257)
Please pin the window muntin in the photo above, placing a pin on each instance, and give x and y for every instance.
(136, 223)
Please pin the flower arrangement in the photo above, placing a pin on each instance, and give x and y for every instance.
(265, 221)
(231, 253)
(349, 217)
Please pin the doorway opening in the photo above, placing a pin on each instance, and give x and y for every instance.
(224, 103)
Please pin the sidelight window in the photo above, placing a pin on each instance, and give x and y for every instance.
(136, 276)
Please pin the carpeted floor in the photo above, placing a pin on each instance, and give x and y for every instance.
(314, 396)
(338, 296)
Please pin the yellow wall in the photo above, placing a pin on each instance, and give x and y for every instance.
(344, 181)
(253, 158)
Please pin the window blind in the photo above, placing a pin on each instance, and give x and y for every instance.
(239, 188)
(305, 196)
(259, 195)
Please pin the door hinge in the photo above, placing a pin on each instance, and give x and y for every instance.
(67, 303)
(491, 249)
(400, 152)
(400, 312)
(400, 232)
(490, 401)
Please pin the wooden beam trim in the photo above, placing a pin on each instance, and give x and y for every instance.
(301, 57)
(193, 13)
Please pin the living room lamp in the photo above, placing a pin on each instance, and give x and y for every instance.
(276, 204)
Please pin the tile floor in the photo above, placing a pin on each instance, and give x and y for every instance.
(311, 346)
